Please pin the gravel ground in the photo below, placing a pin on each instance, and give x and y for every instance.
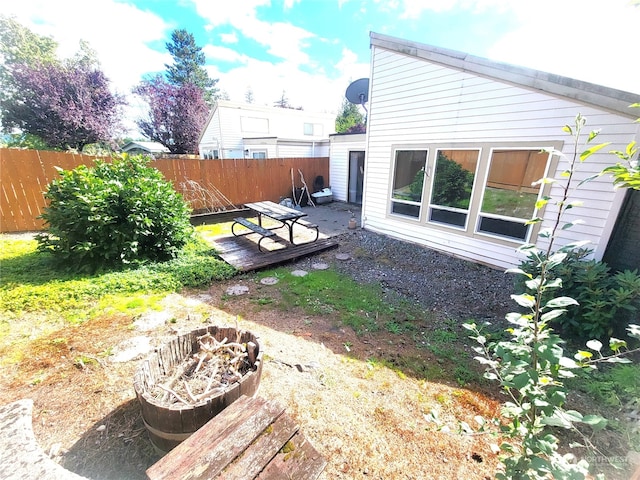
(453, 287)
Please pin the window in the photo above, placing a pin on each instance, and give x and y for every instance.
(259, 154)
(210, 154)
(453, 179)
(408, 182)
(509, 199)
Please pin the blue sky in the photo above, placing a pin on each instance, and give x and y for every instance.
(312, 49)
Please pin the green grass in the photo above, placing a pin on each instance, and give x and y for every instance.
(30, 282)
(362, 307)
(509, 203)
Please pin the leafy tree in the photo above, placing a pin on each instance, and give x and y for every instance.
(349, 120)
(66, 105)
(53, 103)
(177, 114)
(18, 44)
(187, 67)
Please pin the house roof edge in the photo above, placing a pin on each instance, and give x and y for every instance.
(617, 101)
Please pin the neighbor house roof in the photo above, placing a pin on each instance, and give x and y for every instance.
(151, 147)
(617, 101)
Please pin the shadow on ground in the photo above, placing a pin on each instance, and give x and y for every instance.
(116, 447)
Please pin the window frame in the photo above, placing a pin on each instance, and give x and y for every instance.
(482, 170)
(390, 197)
(431, 205)
(514, 220)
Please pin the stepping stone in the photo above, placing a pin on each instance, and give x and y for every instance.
(299, 273)
(320, 266)
(343, 256)
(237, 290)
(269, 281)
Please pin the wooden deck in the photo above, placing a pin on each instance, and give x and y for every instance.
(243, 254)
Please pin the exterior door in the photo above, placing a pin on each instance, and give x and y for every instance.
(356, 176)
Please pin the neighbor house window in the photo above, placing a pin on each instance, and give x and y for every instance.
(509, 199)
(259, 154)
(211, 154)
(453, 179)
(408, 182)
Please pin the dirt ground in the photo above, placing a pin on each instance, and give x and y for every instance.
(369, 421)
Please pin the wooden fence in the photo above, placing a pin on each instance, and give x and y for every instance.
(25, 174)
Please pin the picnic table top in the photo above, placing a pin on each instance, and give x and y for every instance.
(275, 210)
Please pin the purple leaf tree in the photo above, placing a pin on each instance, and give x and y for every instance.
(68, 106)
(177, 114)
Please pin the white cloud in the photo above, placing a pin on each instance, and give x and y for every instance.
(282, 40)
(229, 37)
(223, 53)
(587, 40)
(118, 32)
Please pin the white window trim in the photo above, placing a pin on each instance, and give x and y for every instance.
(477, 194)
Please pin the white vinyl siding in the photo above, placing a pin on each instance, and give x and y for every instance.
(341, 145)
(233, 127)
(414, 102)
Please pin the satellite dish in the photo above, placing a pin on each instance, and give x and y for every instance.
(358, 92)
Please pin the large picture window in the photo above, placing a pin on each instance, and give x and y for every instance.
(408, 182)
(453, 179)
(509, 199)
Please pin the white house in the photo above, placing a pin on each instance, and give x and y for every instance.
(454, 142)
(346, 166)
(242, 130)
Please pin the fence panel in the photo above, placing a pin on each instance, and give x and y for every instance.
(25, 174)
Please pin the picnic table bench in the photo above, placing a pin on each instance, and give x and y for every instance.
(252, 438)
(288, 217)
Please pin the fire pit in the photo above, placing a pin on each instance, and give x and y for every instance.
(191, 379)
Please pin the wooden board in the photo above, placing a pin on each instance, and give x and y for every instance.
(251, 438)
(243, 254)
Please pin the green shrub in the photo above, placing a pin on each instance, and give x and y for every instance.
(452, 184)
(113, 214)
(606, 301)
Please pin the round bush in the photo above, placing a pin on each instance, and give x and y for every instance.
(114, 213)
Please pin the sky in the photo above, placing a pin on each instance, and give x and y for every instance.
(312, 49)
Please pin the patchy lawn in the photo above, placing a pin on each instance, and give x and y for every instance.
(379, 387)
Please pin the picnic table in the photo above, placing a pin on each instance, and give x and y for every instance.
(288, 217)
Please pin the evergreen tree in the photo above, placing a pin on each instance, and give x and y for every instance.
(248, 95)
(349, 119)
(187, 67)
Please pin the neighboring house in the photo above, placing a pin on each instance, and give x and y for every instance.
(454, 143)
(152, 148)
(346, 166)
(243, 130)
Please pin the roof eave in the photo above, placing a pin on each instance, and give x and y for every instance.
(611, 99)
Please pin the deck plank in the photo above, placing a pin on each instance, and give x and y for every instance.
(243, 254)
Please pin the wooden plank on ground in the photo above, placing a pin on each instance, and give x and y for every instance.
(207, 452)
(298, 459)
(243, 254)
(262, 450)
